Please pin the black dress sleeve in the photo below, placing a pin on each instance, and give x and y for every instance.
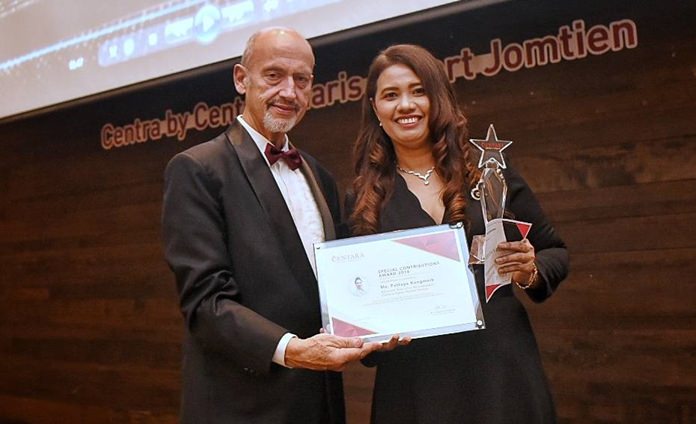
(551, 253)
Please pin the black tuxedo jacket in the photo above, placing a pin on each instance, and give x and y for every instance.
(244, 280)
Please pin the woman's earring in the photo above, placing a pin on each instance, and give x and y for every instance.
(380, 123)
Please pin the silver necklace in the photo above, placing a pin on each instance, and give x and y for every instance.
(425, 177)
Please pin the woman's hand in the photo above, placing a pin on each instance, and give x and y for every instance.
(517, 258)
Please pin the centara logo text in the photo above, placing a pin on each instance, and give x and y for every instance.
(348, 257)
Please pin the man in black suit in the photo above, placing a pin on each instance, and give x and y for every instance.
(240, 215)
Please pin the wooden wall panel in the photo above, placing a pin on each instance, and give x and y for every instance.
(89, 325)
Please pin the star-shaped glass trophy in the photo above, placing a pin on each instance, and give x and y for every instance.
(491, 190)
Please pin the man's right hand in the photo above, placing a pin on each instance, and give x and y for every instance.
(327, 352)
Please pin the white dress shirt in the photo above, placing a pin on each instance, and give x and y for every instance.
(302, 206)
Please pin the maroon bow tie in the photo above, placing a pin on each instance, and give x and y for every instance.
(291, 157)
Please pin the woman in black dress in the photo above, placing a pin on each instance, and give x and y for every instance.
(414, 168)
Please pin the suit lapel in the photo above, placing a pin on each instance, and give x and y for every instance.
(277, 214)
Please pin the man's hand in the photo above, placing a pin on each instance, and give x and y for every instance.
(393, 343)
(327, 352)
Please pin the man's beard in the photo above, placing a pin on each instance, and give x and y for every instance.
(278, 125)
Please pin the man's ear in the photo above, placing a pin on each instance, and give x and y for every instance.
(240, 75)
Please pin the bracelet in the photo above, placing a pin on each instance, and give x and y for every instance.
(532, 278)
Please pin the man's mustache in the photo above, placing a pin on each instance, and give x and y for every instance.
(293, 105)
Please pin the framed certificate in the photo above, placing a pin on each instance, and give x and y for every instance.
(413, 283)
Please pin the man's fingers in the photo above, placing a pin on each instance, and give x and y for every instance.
(348, 343)
(330, 340)
(368, 348)
(329, 352)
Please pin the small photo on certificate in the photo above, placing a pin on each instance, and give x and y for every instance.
(413, 283)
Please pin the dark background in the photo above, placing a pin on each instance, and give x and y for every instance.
(89, 323)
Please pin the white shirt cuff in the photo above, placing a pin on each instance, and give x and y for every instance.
(279, 355)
